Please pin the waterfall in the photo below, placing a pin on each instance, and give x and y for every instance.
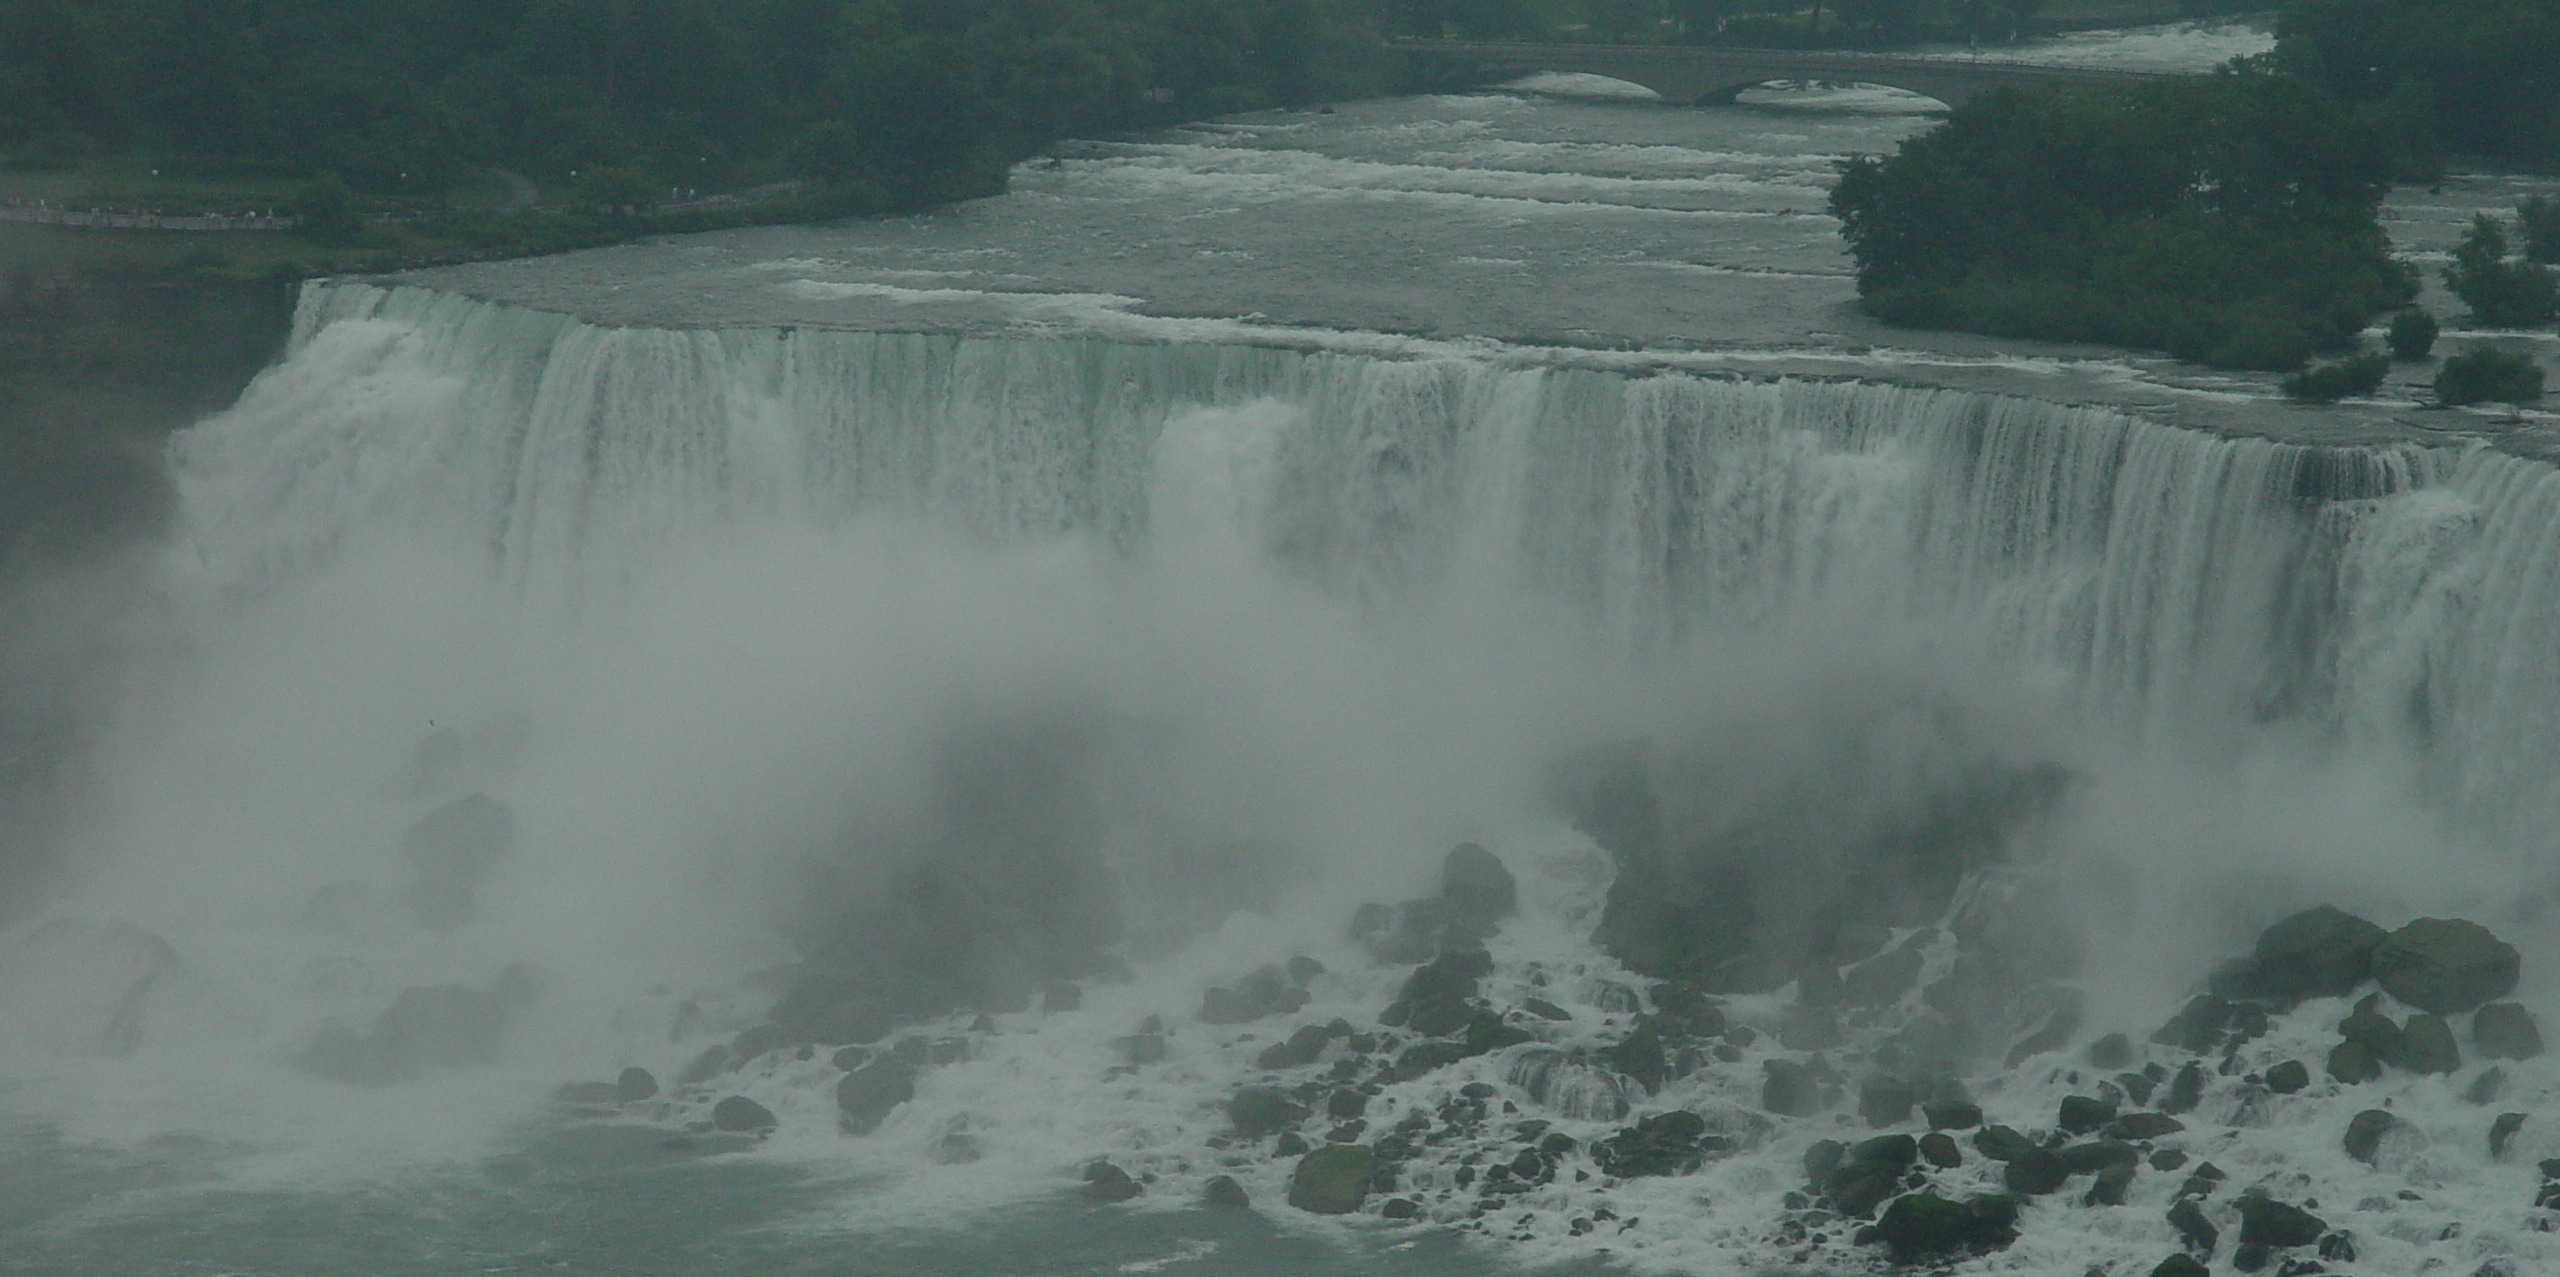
(2384, 598)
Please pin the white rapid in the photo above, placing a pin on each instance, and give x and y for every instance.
(706, 608)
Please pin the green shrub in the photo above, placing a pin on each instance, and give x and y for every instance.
(2413, 333)
(2500, 293)
(2331, 382)
(2541, 217)
(328, 212)
(2486, 374)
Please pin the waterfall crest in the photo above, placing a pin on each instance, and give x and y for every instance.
(2395, 598)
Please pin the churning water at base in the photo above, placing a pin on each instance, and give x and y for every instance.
(716, 618)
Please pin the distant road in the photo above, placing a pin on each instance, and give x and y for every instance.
(43, 215)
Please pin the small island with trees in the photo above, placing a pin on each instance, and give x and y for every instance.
(2233, 220)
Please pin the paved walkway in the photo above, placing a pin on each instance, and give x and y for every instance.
(46, 215)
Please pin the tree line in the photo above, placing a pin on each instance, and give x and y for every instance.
(2428, 77)
(407, 96)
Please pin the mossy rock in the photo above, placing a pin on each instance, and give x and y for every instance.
(1332, 1180)
(2446, 965)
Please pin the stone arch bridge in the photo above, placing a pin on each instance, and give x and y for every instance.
(1688, 75)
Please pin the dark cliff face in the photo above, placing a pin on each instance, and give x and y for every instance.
(97, 368)
(1750, 855)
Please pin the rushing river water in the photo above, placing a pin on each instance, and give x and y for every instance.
(1189, 546)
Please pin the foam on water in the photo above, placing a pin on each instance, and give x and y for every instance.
(705, 607)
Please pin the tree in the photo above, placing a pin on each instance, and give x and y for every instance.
(2412, 333)
(620, 189)
(2500, 293)
(328, 212)
(2486, 374)
(2230, 220)
(2540, 215)
(2331, 382)
(2488, 70)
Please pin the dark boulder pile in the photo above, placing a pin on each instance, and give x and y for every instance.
(1003, 899)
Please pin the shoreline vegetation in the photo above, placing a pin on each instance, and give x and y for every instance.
(2232, 220)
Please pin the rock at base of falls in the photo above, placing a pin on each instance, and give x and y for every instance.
(2446, 965)
(739, 1115)
(865, 1096)
(451, 851)
(425, 1027)
(1332, 1180)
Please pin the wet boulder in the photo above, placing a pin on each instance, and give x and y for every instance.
(1225, 1193)
(1870, 1172)
(1790, 1089)
(739, 1115)
(1257, 1111)
(1332, 1180)
(2181, 1265)
(2317, 953)
(1673, 1143)
(1477, 889)
(1924, 1228)
(2114, 1051)
(2288, 1077)
(2505, 1031)
(1104, 1182)
(2264, 1221)
(2365, 1133)
(865, 1096)
(427, 1026)
(2352, 1063)
(1886, 1101)
(2195, 1232)
(2446, 965)
(2003, 1144)
(2034, 1172)
(2081, 1114)
(2145, 1126)
(451, 852)
(1300, 1049)
(634, 1085)
(2427, 1046)
(1439, 997)
(2502, 1132)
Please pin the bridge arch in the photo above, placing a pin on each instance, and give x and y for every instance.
(1718, 74)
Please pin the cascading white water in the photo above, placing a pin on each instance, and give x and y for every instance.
(709, 608)
(2386, 598)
